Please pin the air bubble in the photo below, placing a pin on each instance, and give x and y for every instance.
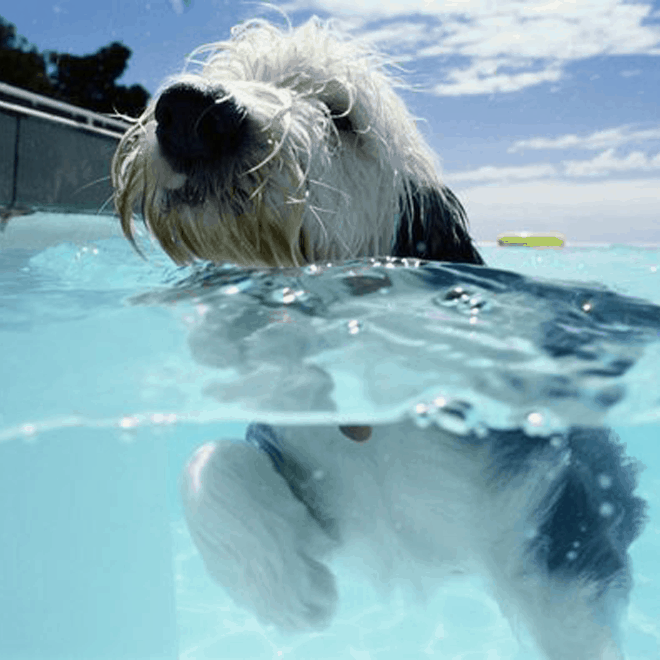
(606, 510)
(477, 303)
(535, 419)
(423, 415)
(541, 423)
(604, 481)
(287, 295)
(354, 326)
(129, 422)
(456, 293)
(164, 418)
(536, 423)
(571, 555)
(469, 301)
(456, 417)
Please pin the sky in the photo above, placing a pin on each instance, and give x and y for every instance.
(545, 113)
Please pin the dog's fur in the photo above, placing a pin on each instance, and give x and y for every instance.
(290, 147)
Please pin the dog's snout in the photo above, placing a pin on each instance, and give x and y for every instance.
(194, 124)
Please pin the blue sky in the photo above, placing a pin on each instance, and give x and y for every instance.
(545, 113)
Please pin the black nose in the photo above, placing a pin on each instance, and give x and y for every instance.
(194, 125)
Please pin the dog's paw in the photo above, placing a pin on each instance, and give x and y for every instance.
(306, 600)
(256, 539)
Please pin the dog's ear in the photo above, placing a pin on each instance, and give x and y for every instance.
(433, 226)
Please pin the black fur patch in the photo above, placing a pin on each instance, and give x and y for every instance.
(591, 515)
(299, 480)
(434, 227)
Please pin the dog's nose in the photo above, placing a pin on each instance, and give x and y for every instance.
(193, 124)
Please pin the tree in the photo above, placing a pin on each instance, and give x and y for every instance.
(88, 81)
(21, 64)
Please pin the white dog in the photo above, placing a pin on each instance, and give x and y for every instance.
(292, 147)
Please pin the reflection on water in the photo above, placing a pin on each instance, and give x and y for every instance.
(362, 342)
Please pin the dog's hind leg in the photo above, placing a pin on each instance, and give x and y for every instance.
(256, 538)
(563, 516)
(565, 621)
(566, 618)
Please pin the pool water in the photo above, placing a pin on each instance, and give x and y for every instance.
(115, 369)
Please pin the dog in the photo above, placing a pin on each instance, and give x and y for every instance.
(290, 147)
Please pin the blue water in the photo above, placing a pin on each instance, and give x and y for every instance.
(115, 369)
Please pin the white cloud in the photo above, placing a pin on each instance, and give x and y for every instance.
(611, 137)
(493, 173)
(484, 77)
(593, 27)
(607, 162)
(535, 38)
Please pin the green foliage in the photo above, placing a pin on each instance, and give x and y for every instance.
(88, 81)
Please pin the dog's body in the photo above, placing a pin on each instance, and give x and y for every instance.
(292, 147)
(546, 521)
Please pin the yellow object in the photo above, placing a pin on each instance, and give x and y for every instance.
(529, 239)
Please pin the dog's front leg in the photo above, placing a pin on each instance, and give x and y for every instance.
(258, 540)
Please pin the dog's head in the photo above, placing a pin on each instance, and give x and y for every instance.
(288, 147)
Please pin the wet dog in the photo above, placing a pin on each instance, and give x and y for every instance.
(291, 147)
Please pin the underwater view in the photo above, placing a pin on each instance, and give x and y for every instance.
(116, 369)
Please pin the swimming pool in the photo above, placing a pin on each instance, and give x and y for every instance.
(115, 369)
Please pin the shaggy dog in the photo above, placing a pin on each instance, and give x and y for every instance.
(290, 147)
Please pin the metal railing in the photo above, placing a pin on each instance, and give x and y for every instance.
(53, 155)
(16, 100)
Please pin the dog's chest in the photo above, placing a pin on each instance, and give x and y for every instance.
(412, 487)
